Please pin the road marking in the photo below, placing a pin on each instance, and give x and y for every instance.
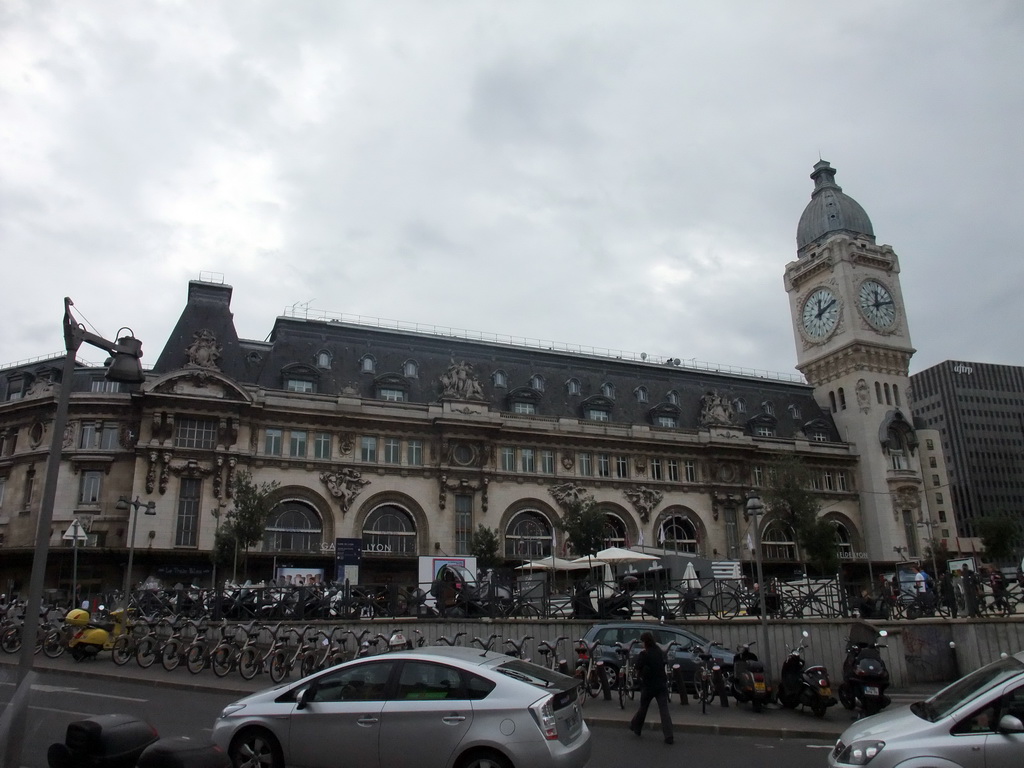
(819, 746)
(80, 692)
(65, 711)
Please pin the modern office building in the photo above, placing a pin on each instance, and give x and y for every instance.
(977, 409)
(403, 441)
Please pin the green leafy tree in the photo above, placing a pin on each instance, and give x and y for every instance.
(245, 523)
(789, 495)
(583, 525)
(484, 545)
(1000, 537)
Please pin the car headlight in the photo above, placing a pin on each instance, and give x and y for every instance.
(860, 752)
(230, 709)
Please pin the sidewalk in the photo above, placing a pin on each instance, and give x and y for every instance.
(734, 720)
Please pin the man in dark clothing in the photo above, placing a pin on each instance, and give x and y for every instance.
(650, 668)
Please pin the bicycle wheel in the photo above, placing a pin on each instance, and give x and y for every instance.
(526, 611)
(594, 681)
(308, 665)
(278, 666)
(145, 653)
(724, 606)
(222, 659)
(122, 651)
(195, 659)
(170, 656)
(53, 644)
(248, 663)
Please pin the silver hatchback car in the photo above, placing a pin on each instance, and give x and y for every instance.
(436, 707)
(976, 722)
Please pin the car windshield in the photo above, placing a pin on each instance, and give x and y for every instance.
(954, 696)
(535, 675)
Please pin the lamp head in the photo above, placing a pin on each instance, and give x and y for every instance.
(124, 364)
(122, 505)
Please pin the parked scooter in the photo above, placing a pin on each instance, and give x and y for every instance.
(865, 676)
(800, 685)
(749, 681)
(586, 604)
(91, 637)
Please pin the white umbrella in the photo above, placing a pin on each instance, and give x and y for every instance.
(690, 577)
(613, 555)
(551, 564)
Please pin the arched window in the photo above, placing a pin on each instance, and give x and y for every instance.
(843, 541)
(608, 390)
(842, 399)
(641, 394)
(878, 392)
(573, 387)
(896, 395)
(528, 536)
(832, 401)
(614, 533)
(888, 399)
(293, 527)
(389, 530)
(768, 407)
(672, 397)
(777, 542)
(897, 450)
(678, 534)
(323, 359)
(499, 379)
(410, 369)
(537, 382)
(367, 364)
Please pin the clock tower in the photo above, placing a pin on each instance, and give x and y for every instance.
(853, 346)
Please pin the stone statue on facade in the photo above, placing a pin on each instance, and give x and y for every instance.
(344, 485)
(715, 409)
(460, 383)
(644, 500)
(204, 351)
(569, 494)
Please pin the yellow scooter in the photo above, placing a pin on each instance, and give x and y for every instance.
(90, 636)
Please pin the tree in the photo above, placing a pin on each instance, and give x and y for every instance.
(583, 526)
(1000, 537)
(789, 495)
(483, 544)
(246, 522)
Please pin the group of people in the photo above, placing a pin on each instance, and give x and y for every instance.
(971, 585)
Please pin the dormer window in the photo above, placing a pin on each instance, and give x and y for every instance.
(768, 408)
(573, 386)
(499, 379)
(641, 394)
(672, 397)
(367, 364)
(323, 359)
(608, 390)
(794, 410)
(597, 414)
(537, 382)
(299, 385)
(739, 405)
(391, 394)
(299, 377)
(392, 387)
(410, 369)
(598, 408)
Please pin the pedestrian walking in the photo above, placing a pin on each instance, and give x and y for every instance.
(947, 592)
(650, 667)
(970, 583)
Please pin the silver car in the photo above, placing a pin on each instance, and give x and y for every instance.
(976, 722)
(439, 707)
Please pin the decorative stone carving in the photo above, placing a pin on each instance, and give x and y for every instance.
(204, 351)
(907, 497)
(218, 477)
(346, 443)
(569, 494)
(459, 382)
(715, 409)
(151, 472)
(229, 485)
(463, 485)
(344, 485)
(69, 436)
(863, 396)
(644, 500)
(568, 460)
(189, 468)
(165, 476)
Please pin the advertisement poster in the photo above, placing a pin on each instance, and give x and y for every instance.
(299, 577)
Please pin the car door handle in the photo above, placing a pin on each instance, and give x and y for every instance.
(453, 719)
(368, 720)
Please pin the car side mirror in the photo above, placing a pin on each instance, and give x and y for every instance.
(302, 697)
(1010, 724)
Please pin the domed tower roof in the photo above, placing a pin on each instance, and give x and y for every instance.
(830, 210)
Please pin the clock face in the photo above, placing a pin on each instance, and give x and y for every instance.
(876, 304)
(821, 313)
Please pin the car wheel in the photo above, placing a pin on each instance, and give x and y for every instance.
(484, 759)
(255, 748)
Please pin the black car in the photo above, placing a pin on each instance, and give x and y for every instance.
(689, 644)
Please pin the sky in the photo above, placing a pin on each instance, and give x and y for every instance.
(619, 175)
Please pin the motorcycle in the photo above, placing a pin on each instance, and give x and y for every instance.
(91, 637)
(586, 604)
(800, 685)
(749, 682)
(865, 676)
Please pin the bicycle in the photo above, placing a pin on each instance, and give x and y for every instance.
(283, 661)
(707, 676)
(172, 653)
(516, 648)
(625, 677)
(590, 671)
(443, 640)
(549, 654)
(673, 670)
(251, 661)
(485, 645)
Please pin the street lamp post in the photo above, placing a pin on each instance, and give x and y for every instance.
(754, 510)
(930, 525)
(124, 366)
(124, 504)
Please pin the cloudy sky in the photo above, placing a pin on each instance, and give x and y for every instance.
(624, 175)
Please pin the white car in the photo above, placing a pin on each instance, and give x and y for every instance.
(976, 722)
(436, 707)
